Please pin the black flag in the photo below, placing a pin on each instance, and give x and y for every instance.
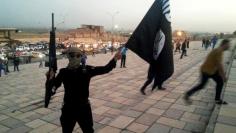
(152, 40)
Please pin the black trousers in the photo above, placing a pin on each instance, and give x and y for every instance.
(204, 78)
(158, 83)
(149, 81)
(177, 49)
(123, 59)
(16, 67)
(184, 53)
(81, 114)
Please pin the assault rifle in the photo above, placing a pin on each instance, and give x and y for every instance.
(52, 65)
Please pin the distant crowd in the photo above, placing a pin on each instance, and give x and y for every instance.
(209, 42)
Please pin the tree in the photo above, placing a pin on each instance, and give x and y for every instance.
(234, 33)
(221, 35)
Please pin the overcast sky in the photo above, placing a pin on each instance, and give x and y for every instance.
(190, 15)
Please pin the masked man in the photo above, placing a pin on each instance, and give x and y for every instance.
(76, 78)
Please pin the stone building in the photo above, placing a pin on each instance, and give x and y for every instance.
(92, 34)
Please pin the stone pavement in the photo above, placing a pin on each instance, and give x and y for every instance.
(223, 118)
(118, 106)
(226, 121)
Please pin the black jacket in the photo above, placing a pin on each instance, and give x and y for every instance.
(184, 45)
(76, 82)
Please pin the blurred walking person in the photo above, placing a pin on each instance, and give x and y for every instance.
(203, 42)
(183, 48)
(83, 58)
(178, 45)
(214, 41)
(1, 67)
(188, 41)
(6, 63)
(212, 68)
(208, 43)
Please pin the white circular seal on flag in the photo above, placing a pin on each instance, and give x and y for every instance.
(158, 44)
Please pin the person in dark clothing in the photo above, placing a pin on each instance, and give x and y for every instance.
(6, 64)
(183, 48)
(83, 58)
(214, 41)
(16, 62)
(212, 68)
(208, 43)
(203, 42)
(112, 49)
(187, 45)
(1, 67)
(93, 52)
(152, 71)
(76, 79)
(177, 46)
(29, 59)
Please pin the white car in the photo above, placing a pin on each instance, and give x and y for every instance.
(27, 48)
(38, 55)
(19, 48)
(3, 57)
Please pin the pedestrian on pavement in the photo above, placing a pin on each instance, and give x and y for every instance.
(83, 58)
(5, 66)
(76, 106)
(1, 67)
(214, 41)
(93, 53)
(183, 48)
(123, 58)
(6, 63)
(187, 44)
(178, 44)
(41, 63)
(208, 43)
(16, 62)
(212, 68)
(203, 42)
(112, 49)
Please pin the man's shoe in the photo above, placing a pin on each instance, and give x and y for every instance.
(220, 102)
(153, 88)
(161, 88)
(142, 91)
(187, 100)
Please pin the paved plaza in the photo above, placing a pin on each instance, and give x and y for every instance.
(117, 104)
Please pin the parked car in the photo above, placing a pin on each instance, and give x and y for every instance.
(37, 54)
(2, 57)
(19, 48)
